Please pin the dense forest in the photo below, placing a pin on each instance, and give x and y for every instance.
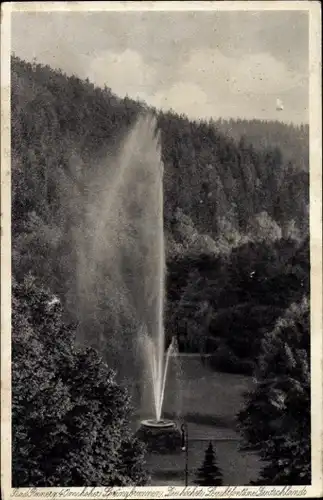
(292, 141)
(236, 214)
(211, 178)
(236, 217)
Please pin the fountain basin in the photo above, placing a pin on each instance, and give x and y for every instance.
(160, 436)
(160, 424)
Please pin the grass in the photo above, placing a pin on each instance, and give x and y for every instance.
(201, 419)
(237, 468)
(203, 396)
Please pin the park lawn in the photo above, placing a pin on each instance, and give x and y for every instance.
(204, 396)
(238, 468)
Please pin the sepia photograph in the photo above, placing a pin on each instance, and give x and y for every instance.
(161, 299)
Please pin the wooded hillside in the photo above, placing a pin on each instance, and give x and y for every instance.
(229, 186)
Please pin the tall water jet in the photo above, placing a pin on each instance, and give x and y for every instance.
(157, 363)
(118, 237)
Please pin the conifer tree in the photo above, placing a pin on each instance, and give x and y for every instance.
(209, 473)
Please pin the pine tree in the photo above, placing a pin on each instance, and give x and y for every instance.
(209, 473)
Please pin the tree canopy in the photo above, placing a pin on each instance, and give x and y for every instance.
(277, 418)
(71, 420)
(228, 205)
(223, 305)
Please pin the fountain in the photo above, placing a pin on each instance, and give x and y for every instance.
(156, 365)
(120, 266)
(160, 435)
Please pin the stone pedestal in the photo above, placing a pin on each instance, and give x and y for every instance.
(161, 437)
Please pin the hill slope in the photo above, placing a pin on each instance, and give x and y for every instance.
(221, 193)
(208, 175)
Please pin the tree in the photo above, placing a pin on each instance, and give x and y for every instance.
(276, 420)
(264, 228)
(209, 473)
(70, 418)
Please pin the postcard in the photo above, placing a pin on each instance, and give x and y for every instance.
(161, 250)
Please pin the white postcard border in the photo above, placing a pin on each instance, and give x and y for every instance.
(316, 489)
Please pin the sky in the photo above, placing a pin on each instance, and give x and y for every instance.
(203, 64)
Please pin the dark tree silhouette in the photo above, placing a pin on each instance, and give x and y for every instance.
(209, 473)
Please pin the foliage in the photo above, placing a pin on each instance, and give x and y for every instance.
(239, 211)
(208, 175)
(276, 420)
(70, 418)
(209, 473)
(236, 225)
(224, 304)
(293, 141)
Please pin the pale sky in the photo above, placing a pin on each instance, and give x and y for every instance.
(204, 64)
